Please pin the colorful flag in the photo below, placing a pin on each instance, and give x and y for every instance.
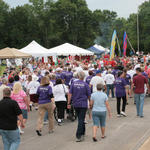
(113, 45)
(124, 44)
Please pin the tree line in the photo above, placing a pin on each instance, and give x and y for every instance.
(52, 23)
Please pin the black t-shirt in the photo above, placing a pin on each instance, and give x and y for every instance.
(9, 110)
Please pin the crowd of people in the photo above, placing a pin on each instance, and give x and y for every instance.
(84, 85)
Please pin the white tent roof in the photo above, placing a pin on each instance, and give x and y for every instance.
(69, 49)
(36, 50)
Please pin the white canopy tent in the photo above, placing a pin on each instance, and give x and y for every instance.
(36, 50)
(99, 47)
(69, 49)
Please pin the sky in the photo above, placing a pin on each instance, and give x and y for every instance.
(123, 7)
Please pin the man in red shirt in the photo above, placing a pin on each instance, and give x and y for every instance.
(139, 82)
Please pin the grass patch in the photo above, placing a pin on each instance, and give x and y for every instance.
(2, 68)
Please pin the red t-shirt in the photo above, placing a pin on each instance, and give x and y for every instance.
(139, 81)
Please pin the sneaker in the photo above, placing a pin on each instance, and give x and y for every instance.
(78, 140)
(124, 114)
(45, 122)
(21, 132)
(36, 108)
(86, 122)
(118, 115)
(51, 131)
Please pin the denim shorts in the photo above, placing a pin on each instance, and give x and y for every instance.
(24, 113)
(99, 118)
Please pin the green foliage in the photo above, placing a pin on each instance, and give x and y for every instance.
(2, 69)
(52, 23)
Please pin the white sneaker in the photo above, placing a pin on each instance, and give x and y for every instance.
(118, 115)
(124, 114)
(59, 120)
(45, 122)
(21, 132)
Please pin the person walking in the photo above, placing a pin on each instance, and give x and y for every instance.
(20, 97)
(79, 94)
(110, 79)
(2, 87)
(120, 88)
(96, 80)
(10, 112)
(31, 90)
(46, 103)
(139, 82)
(99, 104)
(59, 91)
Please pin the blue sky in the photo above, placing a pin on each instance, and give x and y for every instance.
(123, 7)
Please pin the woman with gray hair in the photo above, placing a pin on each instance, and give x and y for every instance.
(79, 94)
(99, 104)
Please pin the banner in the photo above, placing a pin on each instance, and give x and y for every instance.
(124, 44)
(113, 45)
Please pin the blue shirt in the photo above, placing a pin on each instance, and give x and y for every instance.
(99, 99)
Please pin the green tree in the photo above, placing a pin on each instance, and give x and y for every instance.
(4, 8)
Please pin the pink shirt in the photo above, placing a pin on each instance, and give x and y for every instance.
(19, 98)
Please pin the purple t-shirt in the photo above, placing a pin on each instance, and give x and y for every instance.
(68, 77)
(145, 74)
(88, 79)
(115, 72)
(60, 76)
(44, 93)
(120, 84)
(54, 82)
(94, 72)
(80, 92)
(128, 78)
(10, 85)
(40, 77)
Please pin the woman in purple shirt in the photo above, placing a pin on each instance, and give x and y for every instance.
(79, 93)
(46, 103)
(88, 79)
(120, 86)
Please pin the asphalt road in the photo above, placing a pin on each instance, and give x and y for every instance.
(125, 133)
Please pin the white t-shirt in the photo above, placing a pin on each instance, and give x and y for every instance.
(131, 73)
(109, 78)
(78, 69)
(137, 66)
(59, 92)
(96, 80)
(33, 86)
(23, 79)
(104, 74)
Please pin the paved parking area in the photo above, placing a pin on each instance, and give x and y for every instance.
(125, 133)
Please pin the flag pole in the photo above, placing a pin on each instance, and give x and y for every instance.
(118, 46)
(130, 44)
